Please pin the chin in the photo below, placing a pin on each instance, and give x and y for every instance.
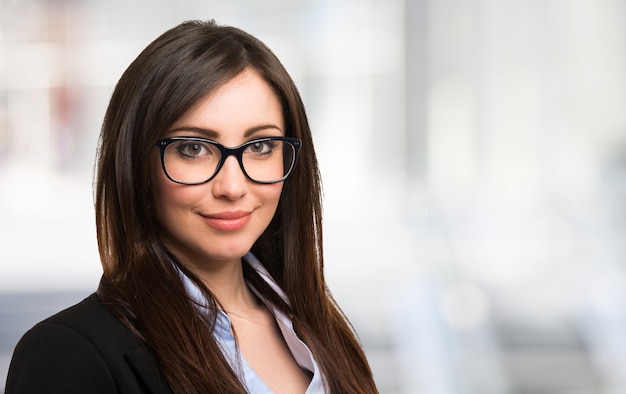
(228, 254)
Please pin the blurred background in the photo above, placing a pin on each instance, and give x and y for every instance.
(474, 162)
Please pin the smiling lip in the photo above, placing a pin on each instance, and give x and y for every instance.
(228, 221)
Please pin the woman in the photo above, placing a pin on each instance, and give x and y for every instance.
(209, 226)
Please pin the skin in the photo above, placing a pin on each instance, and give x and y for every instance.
(184, 211)
(209, 227)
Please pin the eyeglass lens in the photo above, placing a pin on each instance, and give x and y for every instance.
(196, 161)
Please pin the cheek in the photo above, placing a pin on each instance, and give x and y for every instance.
(271, 194)
(160, 182)
(168, 196)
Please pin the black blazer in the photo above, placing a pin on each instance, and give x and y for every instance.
(83, 349)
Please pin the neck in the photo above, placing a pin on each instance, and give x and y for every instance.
(227, 283)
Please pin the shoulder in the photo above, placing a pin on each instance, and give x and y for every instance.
(91, 319)
(59, 351)
(80, 349)
(88, 319)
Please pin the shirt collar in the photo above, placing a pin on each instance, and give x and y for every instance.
(223, 334)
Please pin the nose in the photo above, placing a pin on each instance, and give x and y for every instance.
(230, 182)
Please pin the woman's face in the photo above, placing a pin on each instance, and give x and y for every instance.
(217, 222)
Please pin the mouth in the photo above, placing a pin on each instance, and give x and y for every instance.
(228, 221)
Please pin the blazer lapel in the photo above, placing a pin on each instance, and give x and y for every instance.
(144, 366)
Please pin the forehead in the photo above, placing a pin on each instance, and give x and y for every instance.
(244, 101)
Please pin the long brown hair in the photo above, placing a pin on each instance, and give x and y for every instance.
(140, 284)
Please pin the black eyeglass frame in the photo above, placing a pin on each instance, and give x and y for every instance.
(226, 152)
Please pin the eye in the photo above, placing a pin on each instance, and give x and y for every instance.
(193, 148)
(261, 147)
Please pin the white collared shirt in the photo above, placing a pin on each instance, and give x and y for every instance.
(224, 337)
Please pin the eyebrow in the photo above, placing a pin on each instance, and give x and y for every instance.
(212, 134)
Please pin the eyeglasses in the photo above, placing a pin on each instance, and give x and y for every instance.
(193, 161)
